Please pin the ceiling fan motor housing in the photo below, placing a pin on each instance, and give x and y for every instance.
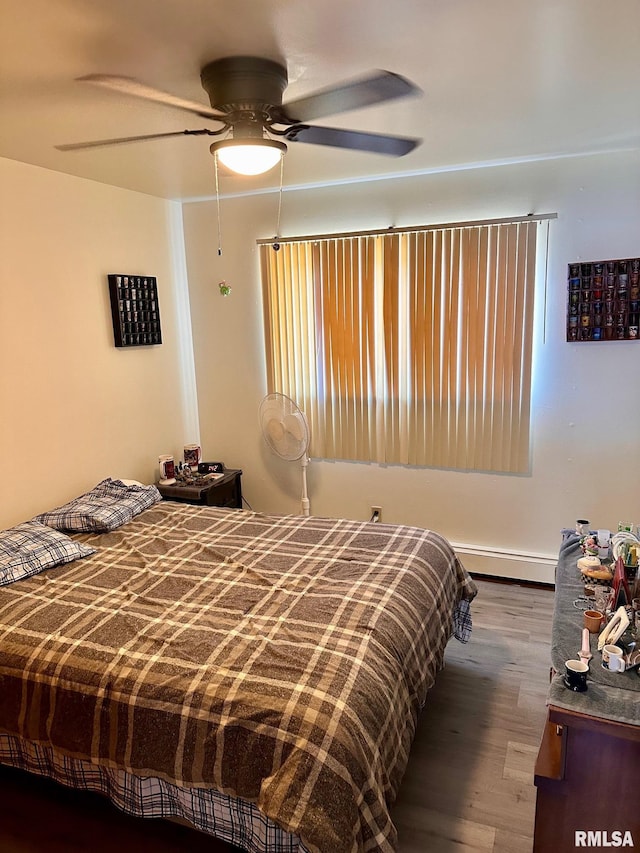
(244, 83)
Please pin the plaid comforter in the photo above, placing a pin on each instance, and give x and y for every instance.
(281, 660)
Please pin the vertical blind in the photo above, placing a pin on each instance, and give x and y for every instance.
(408, 347)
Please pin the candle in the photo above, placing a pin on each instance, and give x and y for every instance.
(585, 653)
(585, 640)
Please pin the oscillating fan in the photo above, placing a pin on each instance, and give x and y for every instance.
(286, 431)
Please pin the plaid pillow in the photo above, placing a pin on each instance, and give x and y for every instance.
(30, 547)
(108, 505)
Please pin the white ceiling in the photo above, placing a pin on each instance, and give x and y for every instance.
(502, 80)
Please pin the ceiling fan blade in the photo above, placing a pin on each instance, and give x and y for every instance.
(366, 91)
(377, 143)
(99, 143)
(132, 87)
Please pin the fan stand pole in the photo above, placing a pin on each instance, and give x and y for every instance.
(305, 499)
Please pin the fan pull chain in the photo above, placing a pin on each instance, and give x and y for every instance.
(276, 244)
(215, 161)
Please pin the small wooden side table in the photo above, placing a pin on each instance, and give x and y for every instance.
(226, 491)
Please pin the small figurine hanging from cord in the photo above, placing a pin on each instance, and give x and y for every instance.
(223, 287)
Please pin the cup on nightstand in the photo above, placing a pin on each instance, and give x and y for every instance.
(167, 469)
(192, 455)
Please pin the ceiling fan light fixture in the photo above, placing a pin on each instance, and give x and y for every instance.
(251, 156)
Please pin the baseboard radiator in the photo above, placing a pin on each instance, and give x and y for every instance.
(507, 563)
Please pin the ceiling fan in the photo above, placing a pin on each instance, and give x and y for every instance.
(245, 93)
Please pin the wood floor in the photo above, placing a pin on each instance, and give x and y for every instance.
(469, 783)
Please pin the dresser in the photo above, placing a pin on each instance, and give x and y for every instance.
(587, 772)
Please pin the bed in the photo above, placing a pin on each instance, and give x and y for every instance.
(259, 676)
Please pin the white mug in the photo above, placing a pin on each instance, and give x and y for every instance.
(617, 663)
(192, 455)
(167, 469)
(612, 658)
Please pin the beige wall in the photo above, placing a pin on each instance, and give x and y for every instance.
(75, 409)
(81, 409)
(585, 448)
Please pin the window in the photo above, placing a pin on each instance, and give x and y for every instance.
(409, 347)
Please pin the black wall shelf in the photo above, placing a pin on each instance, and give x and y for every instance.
(135, 310)
(603, 300)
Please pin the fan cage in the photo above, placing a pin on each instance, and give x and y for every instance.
(284, 427)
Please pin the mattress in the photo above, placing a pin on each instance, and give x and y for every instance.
(279, 661)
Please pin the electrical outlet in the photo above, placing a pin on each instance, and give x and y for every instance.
(376, 513)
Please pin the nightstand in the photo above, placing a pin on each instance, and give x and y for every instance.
(226, 491)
